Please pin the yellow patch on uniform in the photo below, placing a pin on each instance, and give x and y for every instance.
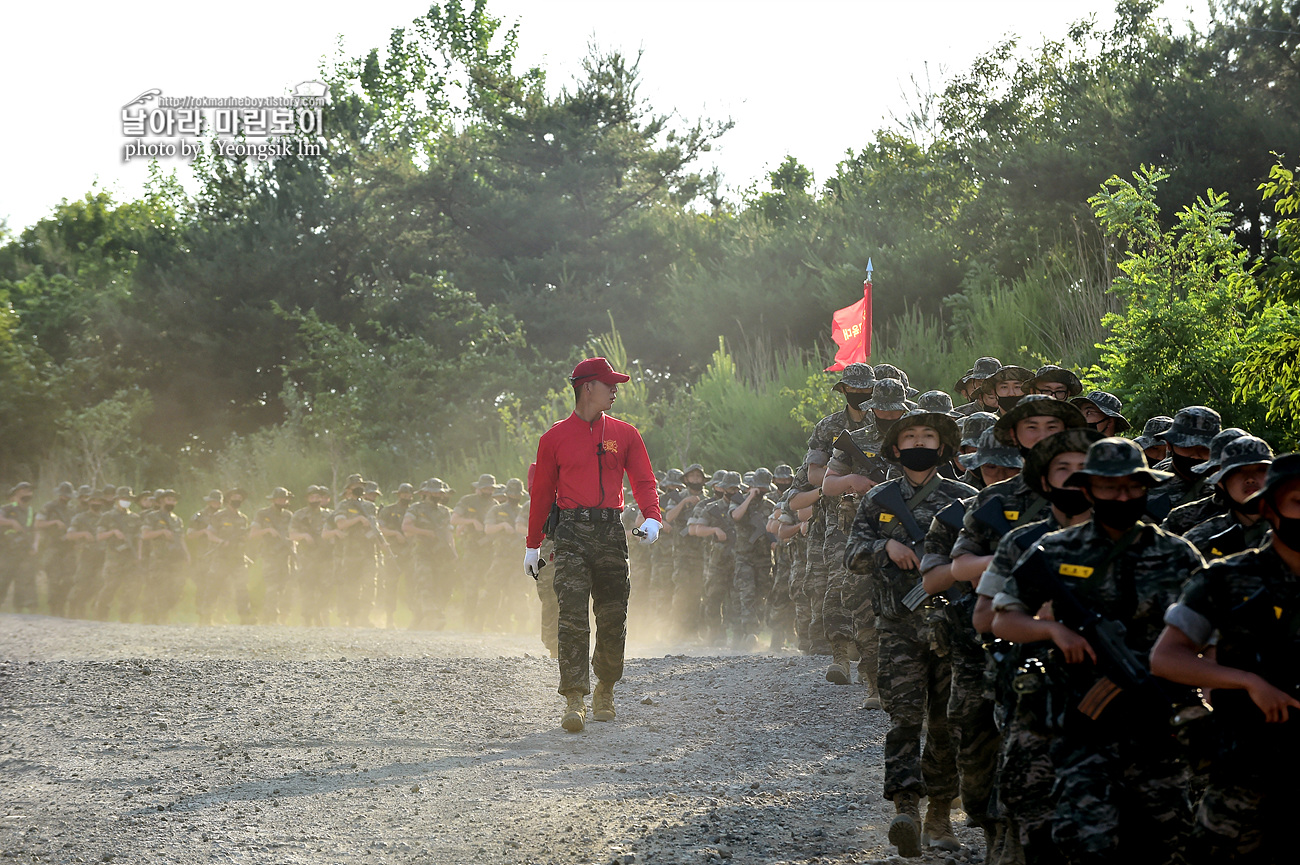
(886, 518)
(869, 455)
(1214, 551)
(1011, 516)
(611, 446)
(1277, 611)
(1081, 571)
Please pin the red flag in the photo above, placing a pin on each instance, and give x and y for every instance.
(851, 330)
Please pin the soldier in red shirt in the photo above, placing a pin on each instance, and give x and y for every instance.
(580, 465)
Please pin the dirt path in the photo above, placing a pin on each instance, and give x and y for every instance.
(131, 743)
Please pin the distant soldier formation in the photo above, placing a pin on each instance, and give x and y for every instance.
(1088, 639)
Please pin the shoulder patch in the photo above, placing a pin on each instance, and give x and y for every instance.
(1080, 571)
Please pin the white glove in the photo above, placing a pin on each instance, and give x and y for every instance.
(533, 563)
(650, 531)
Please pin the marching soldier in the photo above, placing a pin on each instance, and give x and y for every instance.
(83, 536)
(228, 531)
(397, 568)
(1054, 381)
(1206, 505)
(119, 527)
(307, 528)
(688, 558)
(1189, 438)
(58, 556)
(971, 386)
(428, 524)
(18, 545)
(753, 557)
(163, 532)
(1242, 472)
(357, 565)
(201, 562)
(279, 558)
(1156, 450)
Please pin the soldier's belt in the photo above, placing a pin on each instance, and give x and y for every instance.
(591, 515)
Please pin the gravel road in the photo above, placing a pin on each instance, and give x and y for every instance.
(133, 743)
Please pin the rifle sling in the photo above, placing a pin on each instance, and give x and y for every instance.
(924, 492)
(1030, 514)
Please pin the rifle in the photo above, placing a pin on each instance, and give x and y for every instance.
(1228, 542)
(953, 516)
(992, 515)
(871, 469)
(1120, 667)
(369, 514)
(890, 498)
(1159, 506)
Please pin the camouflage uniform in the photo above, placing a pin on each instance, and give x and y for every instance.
(1193, 426)
(719, 561)
(475, 550)
(315, 561)
(506, 593)
(87, 576)
(167, 562)
(688, 567)
(58, 557)
(752, 571)
(1211, 503)
(397, 567)
(1120, 780)
(664, 550)
(1250, 601)
(799, 574)
(18, 556)
(590, 565)
(914, 668)
(122, 564)
(228, 580)
(357, 567)
(1209, 540)
(201, 559)
(434, 558)
(279, 560)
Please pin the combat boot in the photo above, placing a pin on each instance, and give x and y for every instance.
(937, 831)
(575, 713)
(602, 702)
(905, 828)
(838, 672)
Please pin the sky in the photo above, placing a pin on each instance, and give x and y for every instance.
(810, 79)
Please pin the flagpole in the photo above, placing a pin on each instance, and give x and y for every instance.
(866, 313)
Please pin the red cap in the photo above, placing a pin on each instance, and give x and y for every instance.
(599, 369)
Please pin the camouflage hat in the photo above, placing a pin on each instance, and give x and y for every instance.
(403, 488)
(1058, 374)
(514, 487)
(693, 467)
(1217, 444)
(964, 380)
(762, 478)
(888, 370)
(313, 489)
(158, 493)
(1064, 442)
(65, 489)
(1009, 372)
(354, 480)
(974, 425)
(436, 485)
(858, 375)
(985, 367)
(1153, 427)
(747, 478)
(214, 496)
(98, 495)
(673, 478)
(889, 395)
(1285, 467)
(730, 479)
(168, 493)
(84, 491)
(990, 452)
(119, 493)
(237, 491)
(485, 480)
(1193, 426)
(1036, 405)
(20, 487)
(1115, 457)
(499, 490)
(370, 487)
(937, 400)
(783, 471)
(716, 479)
(949, 434)
(280, 493)
(1108, 404)
(1241, 452)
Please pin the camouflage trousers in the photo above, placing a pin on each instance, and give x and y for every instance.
(18, 569)
(1120, 800)
(802, 606)
(123, 579)
(591, 567)
(315, 579)
(550, 619)
(815, 580)
(752, 575)
(974, 735)
(1231, 818)
(780, 604)
(719, 582)
(688, 587)
(165, 583)
(354, 578)
(1025, 778)
(915, 684)
(226, 582)
(660, 585)
(60, 568)
(848, 612)
(277, 579)
(86, 580)
(396, 570)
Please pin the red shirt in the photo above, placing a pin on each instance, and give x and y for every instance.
(571, 470)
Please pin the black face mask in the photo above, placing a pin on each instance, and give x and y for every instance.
(1097, 425)
(783, 485)
(235, 504)
(1007, 403)
(1119, 514)
(695, 488)
(919, 459)
(1287, 530)
(169, 508)
(857, 399)
(1183, 465)
(1069, 502)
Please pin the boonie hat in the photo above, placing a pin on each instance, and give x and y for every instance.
(949, 434)
(1036, 405)
(280, 493)
(514, 487)
(974, 425)
(1108, 404)
(1241, 452)
(1152, 429)
(889, 395)
(990, 452)
(1285, 467)
(1114, 457)
(1193, 426)
(485, 480)
(1058, 374)
(858, 375)
(937, 400)
(1063, 442)
(1217, 444)
(782, 471)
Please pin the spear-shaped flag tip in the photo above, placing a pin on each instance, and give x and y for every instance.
(868, 268)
